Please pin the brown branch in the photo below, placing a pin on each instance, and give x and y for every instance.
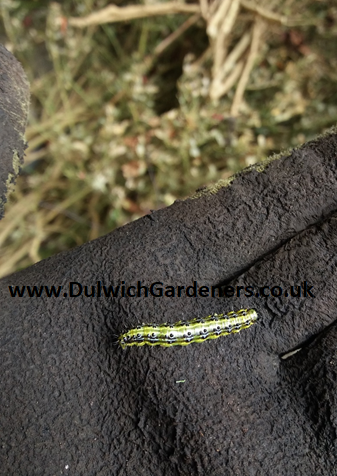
(175, 35)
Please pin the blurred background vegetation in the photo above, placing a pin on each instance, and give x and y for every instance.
(121, 121)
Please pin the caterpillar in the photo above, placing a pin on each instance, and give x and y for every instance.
(186, 332)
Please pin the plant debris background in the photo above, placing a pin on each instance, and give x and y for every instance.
(125, 116)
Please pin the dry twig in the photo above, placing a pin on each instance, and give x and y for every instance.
(112, 13)
(175, 35)
(257, 32)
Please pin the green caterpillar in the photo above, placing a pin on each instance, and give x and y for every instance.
(186, 332)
